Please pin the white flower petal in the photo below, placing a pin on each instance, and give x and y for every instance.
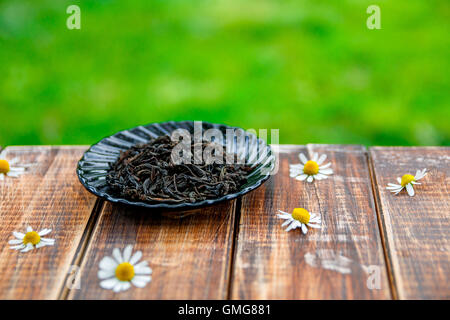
(13, 174)
(301, 177)
(303, 159)
(399, 180)
(19, 247)
(304, 229)
(394, 185)
(40, 245)
(140, 281)
(321, 159)
(315, 156)
(396, 191)
(325, 166)
(106, 274)
(144, 278)
(320, 176)
(125, 285)
(108, 263)
(141, 264)
(15, 241)
(136, 257)
(117, 287)
(424, 172)
(293, 225)
(2, 177)
(117, 255)
(284, 216)
(314, 219)
(127, 253)
(109, 283)
(421, 174)
(29, 229)
(286, 222)
(310, 179)
(27, 248)
(410, 189)
(13, 161)
(326, 171)
(44, 232)
(18, 235)
(142, 270)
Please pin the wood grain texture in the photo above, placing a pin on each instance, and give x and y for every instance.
(190, 257)
(47, 196)
(343, 260)
(416, 230)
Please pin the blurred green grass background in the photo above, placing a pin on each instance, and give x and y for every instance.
(309, 68)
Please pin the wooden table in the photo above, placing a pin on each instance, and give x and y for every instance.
(372, 244)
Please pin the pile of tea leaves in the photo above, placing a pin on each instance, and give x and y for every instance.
(146, 172)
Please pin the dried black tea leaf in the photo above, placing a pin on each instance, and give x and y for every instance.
(147, 172)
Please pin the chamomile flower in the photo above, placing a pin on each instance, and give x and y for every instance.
(7, 168)
(120, 271)
(30, 240)
(310, 169)
(300, 218)
(407, 181)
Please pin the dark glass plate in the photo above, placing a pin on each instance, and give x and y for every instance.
(95, 163)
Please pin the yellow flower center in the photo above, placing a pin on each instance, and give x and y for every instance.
(407, 178)
(32, 237)
(301, 215)
(311, 168)
(4, 166)
(125, 271)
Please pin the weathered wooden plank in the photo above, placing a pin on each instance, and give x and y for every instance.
(47, 196)
(190, 257)
(416, 230)
(342, 260)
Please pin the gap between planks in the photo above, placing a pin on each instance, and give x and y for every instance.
(382, 228)
(237, 222)
(82, 246)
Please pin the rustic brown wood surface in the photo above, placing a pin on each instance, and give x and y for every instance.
(416, 230)
(190, 257)
(343, 260)
(394, 247)
(48, 195)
